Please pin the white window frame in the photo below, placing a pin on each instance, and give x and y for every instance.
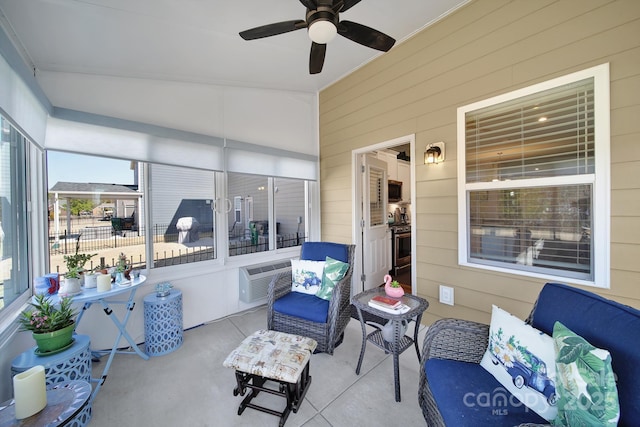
(600, 179)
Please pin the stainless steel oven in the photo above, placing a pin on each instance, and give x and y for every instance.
(401, 247)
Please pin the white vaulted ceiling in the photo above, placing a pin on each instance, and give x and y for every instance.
(197, 41)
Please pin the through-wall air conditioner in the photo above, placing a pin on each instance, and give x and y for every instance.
(255, 279)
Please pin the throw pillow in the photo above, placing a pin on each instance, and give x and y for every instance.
(522, 359)
(586, 383)
(334, 271)
(306, 276)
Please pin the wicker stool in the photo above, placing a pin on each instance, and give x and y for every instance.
(73, 364)
(272, 356)
(163, 323)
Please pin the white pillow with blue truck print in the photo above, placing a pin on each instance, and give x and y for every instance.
(522, 359)
(306, 276)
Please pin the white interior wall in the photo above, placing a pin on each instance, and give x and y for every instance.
(279, 119)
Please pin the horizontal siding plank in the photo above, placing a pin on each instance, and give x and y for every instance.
(625, 202)
(626, 230)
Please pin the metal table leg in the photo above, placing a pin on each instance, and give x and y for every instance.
(415, 335)
(122, 332)
(395, 350)
(364, 341)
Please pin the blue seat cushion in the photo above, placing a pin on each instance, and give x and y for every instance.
(604, 324)
(304, 306)
(467, 395)
(319, 251)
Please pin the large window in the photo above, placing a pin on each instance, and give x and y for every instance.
(99, 206)
(107, 206)
(14, 272)
(534, 196)
(266, 213)
(182, 214)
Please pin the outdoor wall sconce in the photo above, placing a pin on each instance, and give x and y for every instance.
(434, 153)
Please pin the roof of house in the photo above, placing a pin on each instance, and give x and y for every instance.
(90, 189)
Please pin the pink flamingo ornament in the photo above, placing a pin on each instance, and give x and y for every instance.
(393, 292)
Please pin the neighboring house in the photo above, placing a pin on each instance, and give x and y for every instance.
(125, 198)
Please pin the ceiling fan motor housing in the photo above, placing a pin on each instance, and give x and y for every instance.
(322, 24)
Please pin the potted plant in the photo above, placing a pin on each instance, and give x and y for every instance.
(90, 279)
(51, 325)
(77, 260)
(122, 268)
(71, 283)
(75, 267)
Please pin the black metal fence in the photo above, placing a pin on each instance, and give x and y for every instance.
(170, 248)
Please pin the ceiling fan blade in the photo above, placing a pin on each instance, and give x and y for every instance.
(348, 4)
(273, 29)
(309, 4)
(316, 58)
(366, 36)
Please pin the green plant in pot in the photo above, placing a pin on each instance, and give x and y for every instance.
(77, 260)
(72, 282)
(75, 268)
(51, 324)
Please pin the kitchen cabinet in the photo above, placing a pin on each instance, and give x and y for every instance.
(390, 158)
(404, 175)
(397, 170)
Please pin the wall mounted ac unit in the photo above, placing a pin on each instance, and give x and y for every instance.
(255, 279)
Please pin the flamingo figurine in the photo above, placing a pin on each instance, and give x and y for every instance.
(393, 292)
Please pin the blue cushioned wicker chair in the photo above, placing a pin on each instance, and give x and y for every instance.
(308, 315)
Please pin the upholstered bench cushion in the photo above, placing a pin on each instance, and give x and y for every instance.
(273, 355)
(467, 395)
(308, 307)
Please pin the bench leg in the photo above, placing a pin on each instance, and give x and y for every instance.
(294, 393)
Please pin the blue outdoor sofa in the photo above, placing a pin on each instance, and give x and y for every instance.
(453, 349)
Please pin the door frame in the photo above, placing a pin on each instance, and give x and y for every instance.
(356, 208)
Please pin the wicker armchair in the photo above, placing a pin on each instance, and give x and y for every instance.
(328, 334)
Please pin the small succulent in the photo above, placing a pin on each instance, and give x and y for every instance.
(395, 284)
(122, 263)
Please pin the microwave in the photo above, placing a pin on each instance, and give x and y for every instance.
(394, 191)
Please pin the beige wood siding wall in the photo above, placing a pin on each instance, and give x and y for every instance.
(486, 48)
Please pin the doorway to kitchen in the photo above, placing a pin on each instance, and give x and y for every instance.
(383, 196)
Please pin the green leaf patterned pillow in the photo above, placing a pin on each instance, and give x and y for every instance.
(584, 381)
(334, 271)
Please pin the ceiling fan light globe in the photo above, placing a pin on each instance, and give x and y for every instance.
(322, 32)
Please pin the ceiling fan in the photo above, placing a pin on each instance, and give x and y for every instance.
(323, 23)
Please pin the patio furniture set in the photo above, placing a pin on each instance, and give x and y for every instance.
(301, 323)
(452, 352)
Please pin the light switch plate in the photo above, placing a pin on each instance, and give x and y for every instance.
(446, 295)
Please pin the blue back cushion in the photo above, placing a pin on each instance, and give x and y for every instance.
(304, 306)
(319, 251)
(468, 395)
(605, 324)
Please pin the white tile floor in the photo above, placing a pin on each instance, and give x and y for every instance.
(190, 387)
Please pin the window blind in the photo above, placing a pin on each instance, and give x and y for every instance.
(542, 135)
